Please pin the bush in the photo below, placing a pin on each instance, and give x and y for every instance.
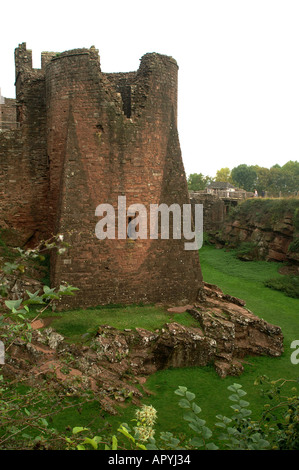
(247, 251)
(294, 246)
(288, 284)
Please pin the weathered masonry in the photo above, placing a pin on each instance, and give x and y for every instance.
(79, 138)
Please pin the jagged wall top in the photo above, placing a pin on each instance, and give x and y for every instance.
(23, 58)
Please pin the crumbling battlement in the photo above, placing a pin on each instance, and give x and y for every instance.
(86, 138)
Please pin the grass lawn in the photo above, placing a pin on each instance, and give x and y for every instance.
(76, 325)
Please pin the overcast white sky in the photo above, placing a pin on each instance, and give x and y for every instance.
(238, 65)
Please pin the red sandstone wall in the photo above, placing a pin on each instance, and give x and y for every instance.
(86, 138)
(21, 192)
(24, 169)
(96, 154)
(214, 209)
(8, 114)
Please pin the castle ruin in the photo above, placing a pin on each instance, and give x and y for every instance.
(76, 137)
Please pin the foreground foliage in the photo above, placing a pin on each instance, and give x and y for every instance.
(17, 313)
(26, 423)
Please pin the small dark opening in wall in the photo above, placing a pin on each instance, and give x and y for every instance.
(100, 127)
(125, 92)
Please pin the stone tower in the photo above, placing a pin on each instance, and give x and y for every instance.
(88, 137)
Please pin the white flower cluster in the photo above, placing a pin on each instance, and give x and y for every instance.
(147, 414)
(144, 433)
(146, 418)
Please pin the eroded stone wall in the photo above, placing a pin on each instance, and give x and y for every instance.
(214, 209)
(110, 136)
(24, 168)
(85, 139)
(268, 228)
(8, 114)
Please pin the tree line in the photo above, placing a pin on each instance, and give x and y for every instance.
(275, 181)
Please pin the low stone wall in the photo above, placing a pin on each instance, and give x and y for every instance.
(214, 209)
(8, 114)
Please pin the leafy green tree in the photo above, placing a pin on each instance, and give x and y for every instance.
(278, 179)
(198, 182)
(262, 179)
(224, 174)
(291, 166)
(283, 180)
(290, 177)
(244, 176)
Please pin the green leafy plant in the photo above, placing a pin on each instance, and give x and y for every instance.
(281, 415)
(247, 251)
(294, 246)
(16, 318)
(191, 411)
(239, 432)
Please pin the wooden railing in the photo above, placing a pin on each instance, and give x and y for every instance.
(225, 194)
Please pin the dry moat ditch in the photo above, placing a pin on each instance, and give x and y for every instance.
(116, 363)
